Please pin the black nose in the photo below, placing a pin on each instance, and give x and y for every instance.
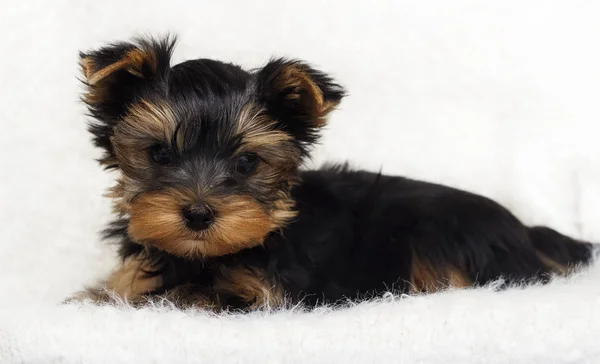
(198, 217)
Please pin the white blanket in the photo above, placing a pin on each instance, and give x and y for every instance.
(500, 98)
(557, 323)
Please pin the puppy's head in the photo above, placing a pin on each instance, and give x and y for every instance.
(207, 152)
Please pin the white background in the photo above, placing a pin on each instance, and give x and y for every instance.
(498, 97)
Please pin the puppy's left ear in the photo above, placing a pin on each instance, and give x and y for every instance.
(115, 74)
(115, 77)
(298, 97)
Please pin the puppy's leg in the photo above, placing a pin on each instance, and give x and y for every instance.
(424, 277)
(248, 288)
(192, 296)
(128, 282)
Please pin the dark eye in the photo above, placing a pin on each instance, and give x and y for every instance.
(246, 163)
(160, 154)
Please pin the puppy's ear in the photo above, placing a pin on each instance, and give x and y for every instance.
(298, 97)
(115, 76)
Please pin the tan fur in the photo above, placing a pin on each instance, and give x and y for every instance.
(426, 278)
(145, 124)
(283, 209)
(252, 286)
(458, 279)
(192, 296)
(423, 277)
(240, 223)
(149, 120)
(257, 130)
(249, 284)
(132, 62)
(128, 282)
(553, 265)
(121, 196)
(259, 136)
(295, 77)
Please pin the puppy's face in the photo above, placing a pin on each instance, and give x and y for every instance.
(207, 152)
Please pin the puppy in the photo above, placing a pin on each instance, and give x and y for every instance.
(214, 212)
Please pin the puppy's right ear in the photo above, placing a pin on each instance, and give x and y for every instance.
(115, 76)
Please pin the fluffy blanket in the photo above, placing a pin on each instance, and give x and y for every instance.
(557, 323)
(499, 98)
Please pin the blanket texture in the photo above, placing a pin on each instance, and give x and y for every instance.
(496, 97)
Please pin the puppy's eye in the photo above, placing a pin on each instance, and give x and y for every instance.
(246, 163)
(160, 154)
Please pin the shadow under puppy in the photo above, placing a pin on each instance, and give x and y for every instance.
(214, 212)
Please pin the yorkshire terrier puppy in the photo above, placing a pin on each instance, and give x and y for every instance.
(214, 211)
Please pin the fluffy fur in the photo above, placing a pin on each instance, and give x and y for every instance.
(209, 136)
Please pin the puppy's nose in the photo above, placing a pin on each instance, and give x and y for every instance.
(198, 217)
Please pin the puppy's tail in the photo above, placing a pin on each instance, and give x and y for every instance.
(558, 252)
